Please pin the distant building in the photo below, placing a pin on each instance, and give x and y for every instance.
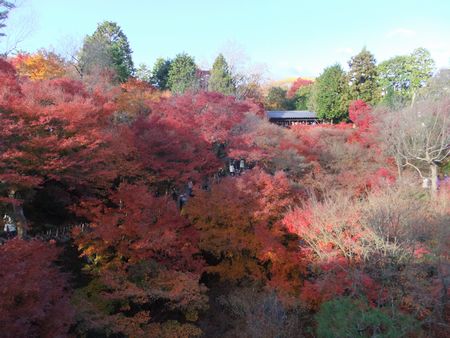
(291, 117)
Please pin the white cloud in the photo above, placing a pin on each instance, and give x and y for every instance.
(401, 32)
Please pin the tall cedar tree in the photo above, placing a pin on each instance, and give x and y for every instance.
(329, 92)
(221, 79)
(363, 78)
(182, 74)
(160, 73)
(107, 50)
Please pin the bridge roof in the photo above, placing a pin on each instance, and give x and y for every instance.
(291, 114)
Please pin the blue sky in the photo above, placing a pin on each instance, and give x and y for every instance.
(291, 38)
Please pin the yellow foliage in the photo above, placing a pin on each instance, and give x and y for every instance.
(40, 66)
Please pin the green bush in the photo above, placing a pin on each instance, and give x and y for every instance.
(346, 317)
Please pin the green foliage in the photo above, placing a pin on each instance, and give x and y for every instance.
(5, 8)
(446, 168)
(276, 100)
(221, 79)
(422, 67)
(393, 99)
(362, 78)
(328, 94)
(160, 73)
(107, 49)
(182, 74)
(403, 75)
(311, 103)
(345, 317)
(143, 73)
(302, 97)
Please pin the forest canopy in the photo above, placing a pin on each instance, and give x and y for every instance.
(162, 202)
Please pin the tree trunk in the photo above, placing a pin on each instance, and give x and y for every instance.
(434, 177)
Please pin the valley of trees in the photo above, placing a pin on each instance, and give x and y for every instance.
(130, 223)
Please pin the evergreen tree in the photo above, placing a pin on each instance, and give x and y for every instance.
(143, 73)
(362, 78)
(107, 49)
(302, 97)
(5, 8)
(329, 94)
(182, 74)
(221, 79)
(276, 100)
(160, 73)
(344, 317)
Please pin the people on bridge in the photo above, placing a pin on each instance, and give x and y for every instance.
(242, 165)
(10, 227)
(174, 193)
(190, 187)
(232, 169)
(182, 199)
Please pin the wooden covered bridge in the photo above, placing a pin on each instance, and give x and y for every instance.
(290, 117)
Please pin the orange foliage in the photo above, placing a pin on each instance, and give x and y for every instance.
(142, 252)
(40, 66)
(239, 231)
(136, 96)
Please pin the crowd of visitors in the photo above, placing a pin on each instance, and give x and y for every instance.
(236, 167)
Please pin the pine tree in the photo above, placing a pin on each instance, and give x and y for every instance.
(107, 49)
(160, 73)
(328, 94)
(362, 78)
(221, 79)
(182, 74)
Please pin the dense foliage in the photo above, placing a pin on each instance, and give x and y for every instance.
(221, 79)
(147, 213)
(330, 88)
(362, 78)
(107, 49)
(393, 83)
(401, 76)
(182, 75)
